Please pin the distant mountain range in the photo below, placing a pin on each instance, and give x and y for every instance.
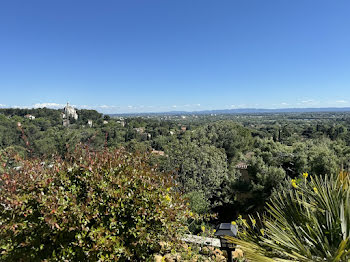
(245, 111)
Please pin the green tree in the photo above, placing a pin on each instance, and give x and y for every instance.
(198, 168)
(227, 135)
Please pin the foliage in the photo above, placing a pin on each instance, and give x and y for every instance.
(228, 135)
(94, 205)
(205, 156)
(251, 192)
(310, 222)
(200, 169)
(199, 202)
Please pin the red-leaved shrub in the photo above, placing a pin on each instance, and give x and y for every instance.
(94, 206)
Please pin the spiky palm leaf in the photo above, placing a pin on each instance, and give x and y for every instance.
(310, 222)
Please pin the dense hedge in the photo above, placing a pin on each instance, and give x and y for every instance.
(95, 206)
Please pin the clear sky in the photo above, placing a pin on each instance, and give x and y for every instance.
(147, 55)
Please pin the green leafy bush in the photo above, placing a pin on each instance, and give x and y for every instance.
(94, 206)
(200, 171)
(309, 222)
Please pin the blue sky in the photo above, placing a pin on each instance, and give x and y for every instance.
(148, 56)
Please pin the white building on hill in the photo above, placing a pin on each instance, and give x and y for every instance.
(69, 112)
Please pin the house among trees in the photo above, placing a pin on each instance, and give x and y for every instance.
(242, 167)
(29, 116)
(140, 130)
(121, 122)
(158, 152)
(89, 123)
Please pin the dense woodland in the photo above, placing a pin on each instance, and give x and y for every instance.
(223, 166)
(204, 157)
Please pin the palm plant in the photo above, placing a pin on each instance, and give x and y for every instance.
(308, 222)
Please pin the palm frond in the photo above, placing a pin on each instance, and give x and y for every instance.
(308, 223)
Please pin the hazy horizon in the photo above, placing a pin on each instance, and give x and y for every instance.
(109, 110)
